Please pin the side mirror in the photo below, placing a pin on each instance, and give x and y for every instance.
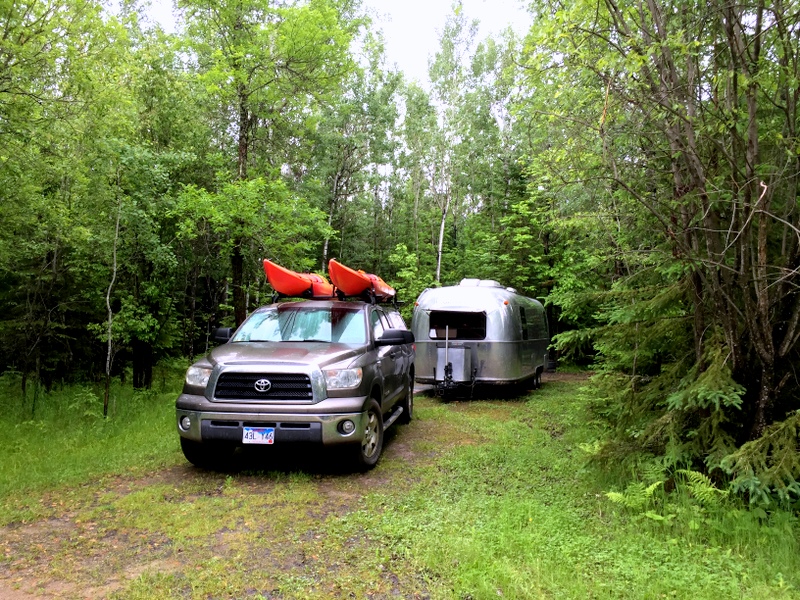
(222, 334)
(395, 337)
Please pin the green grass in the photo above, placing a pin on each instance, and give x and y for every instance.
(474, 500)
(68, 442)
(520, 516)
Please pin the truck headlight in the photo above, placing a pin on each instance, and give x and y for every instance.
(338, 379)
(198, 376)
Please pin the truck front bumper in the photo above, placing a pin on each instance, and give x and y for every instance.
(324, 422)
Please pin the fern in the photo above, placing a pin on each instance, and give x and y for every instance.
(701, 488)
(637, 496)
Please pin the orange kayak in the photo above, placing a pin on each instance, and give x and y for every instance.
(354, 283)
(291, 283)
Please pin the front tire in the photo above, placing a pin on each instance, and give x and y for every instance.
(207, 456)
(369, 451)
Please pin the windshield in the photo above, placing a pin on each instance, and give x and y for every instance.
(304, 324)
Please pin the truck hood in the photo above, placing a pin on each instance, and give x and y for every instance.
(320, 354)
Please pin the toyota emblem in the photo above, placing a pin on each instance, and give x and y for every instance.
(263, 385)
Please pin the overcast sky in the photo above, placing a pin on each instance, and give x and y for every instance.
(412, 27)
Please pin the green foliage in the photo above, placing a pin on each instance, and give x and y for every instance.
(264, 69)
(354, 144)
(636, 496)
(702, 488)
(657, 177)
(274, 222)
(768, 469)
(408, 282)
(712, 388)
(696, 423)
(85, 403)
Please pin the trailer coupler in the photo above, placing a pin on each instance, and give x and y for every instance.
(448, 383)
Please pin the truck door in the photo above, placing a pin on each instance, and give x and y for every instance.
(389, 357)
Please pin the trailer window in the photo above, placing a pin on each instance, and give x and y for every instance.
(457, 325)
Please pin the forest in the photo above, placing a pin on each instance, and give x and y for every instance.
(633, 164)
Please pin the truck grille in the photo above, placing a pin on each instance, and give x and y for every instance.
(282, 386)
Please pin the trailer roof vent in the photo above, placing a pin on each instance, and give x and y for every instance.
(481, 283)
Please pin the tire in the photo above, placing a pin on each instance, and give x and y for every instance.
(408, 402)
(207, 456)
(369, 450)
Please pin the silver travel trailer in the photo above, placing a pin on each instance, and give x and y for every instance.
(478, 332)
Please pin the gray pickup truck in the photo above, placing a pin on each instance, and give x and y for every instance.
(327, 372)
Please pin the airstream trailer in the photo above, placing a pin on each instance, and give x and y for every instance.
(478, 332)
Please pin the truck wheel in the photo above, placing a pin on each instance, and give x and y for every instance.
(369, 451)
(408, 402)
(206, 456)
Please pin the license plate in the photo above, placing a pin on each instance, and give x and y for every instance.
(258, 435)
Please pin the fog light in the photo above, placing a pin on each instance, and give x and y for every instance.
(185, 423)
(347, 427)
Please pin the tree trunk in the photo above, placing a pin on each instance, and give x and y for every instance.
(244, 132)
(763, 416)
(327, 242)
(415, 220)
(109, 331)
(237, 260)
(142, 364)
(699, 318)
(330, 223)
(237, 282)
(441, 240)
(37, 382)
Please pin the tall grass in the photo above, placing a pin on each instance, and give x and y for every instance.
(66, 440)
